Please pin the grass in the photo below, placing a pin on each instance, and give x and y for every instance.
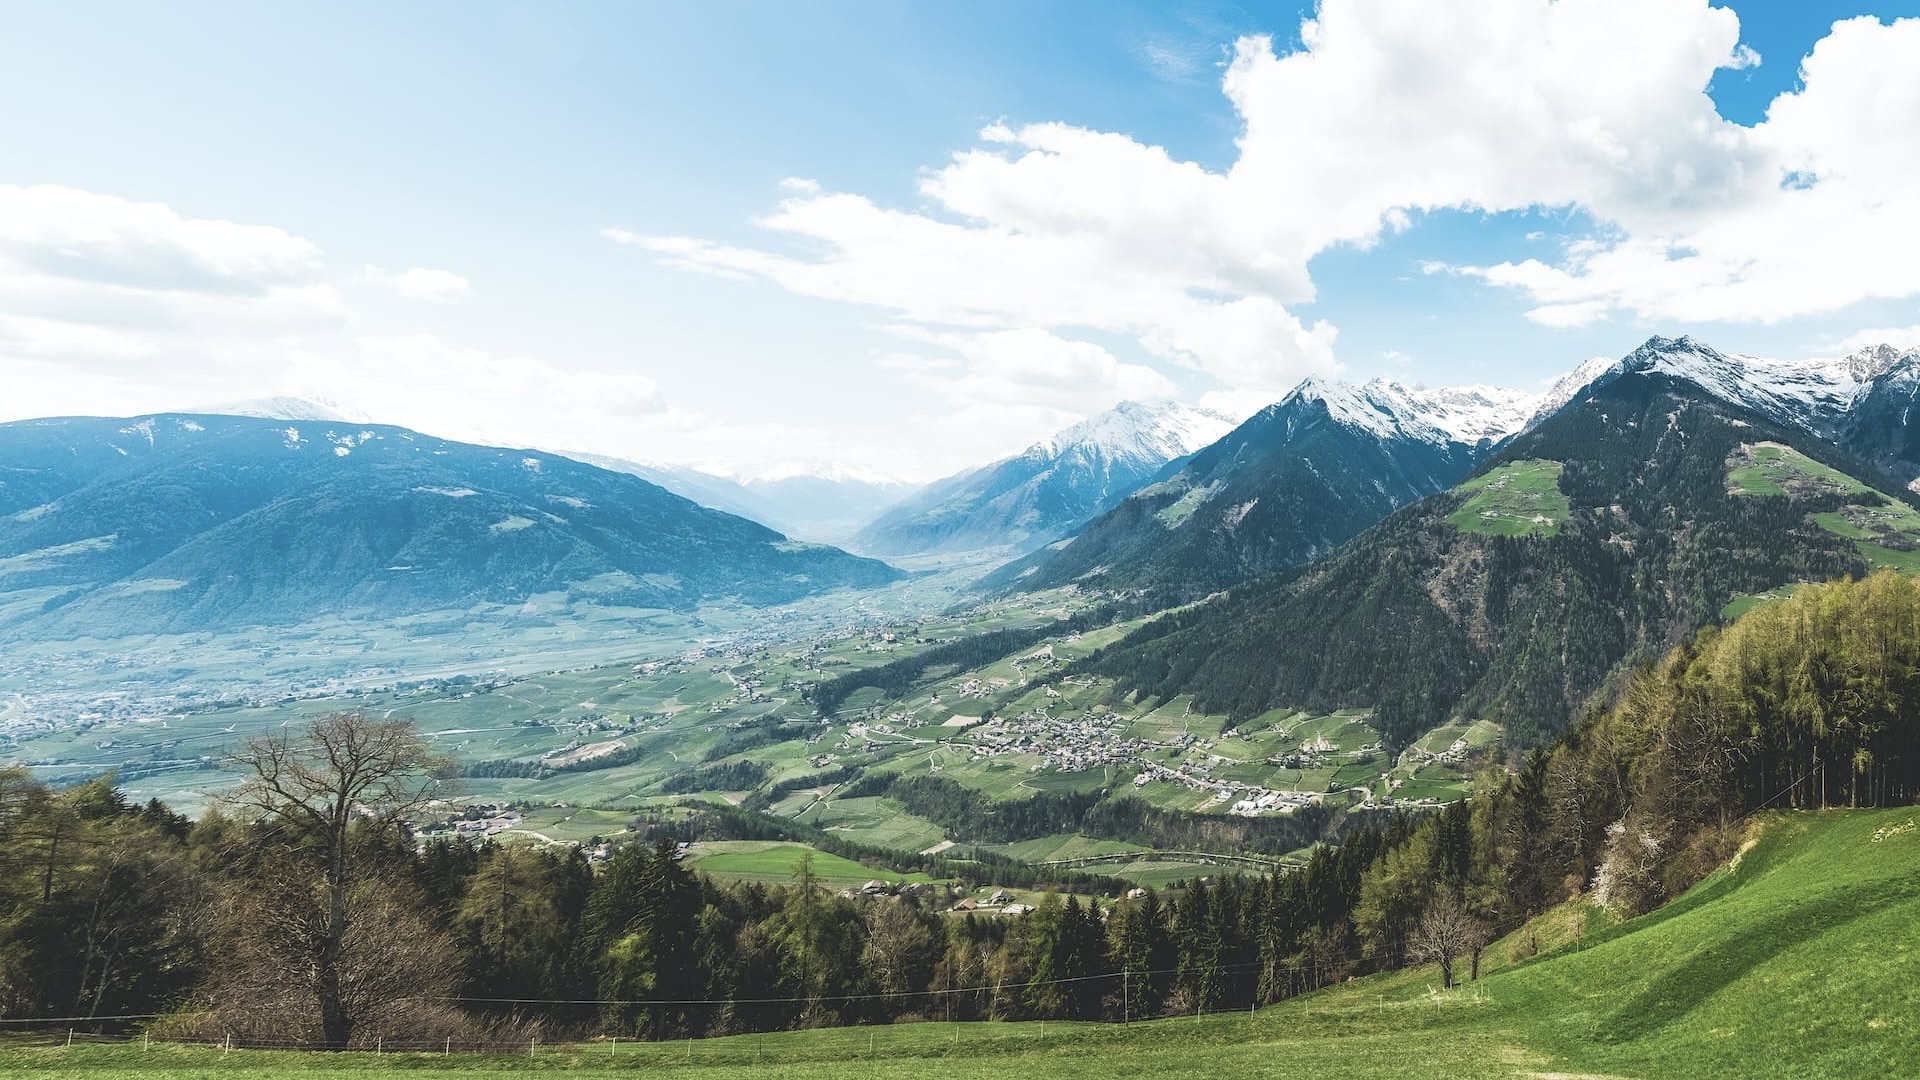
(1522, 498)
(772, 862)
(1888, 535)
(1740, 605)
(1773, 469)
(1798, 960)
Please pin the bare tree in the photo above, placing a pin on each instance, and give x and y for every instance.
(1448, 930)
(896, 939)
(328, 806)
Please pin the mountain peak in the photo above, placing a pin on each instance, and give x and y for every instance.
(287, 408)
(1158, 431)
(1874, 361)
(1385, 408)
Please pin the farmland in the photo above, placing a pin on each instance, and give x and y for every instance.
(579, 752)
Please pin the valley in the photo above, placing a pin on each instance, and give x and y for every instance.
(581, 752)
(1245, 785)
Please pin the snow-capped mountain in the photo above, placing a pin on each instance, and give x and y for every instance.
(1861, 402)
(1131, 431)
(1297, 479)
(1458, 414)
(288, 408)
(1049, 490)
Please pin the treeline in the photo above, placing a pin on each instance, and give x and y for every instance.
(667, 953)
(749, 735)
(733, 776)
(1811, 702)
(968, 815)
(116, 911)
(752, 735)
(971, 866)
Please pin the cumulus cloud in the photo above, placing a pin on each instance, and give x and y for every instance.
(1900, 337)
(112, 283)
(116, 306)
(419, 283)
(1796, 221)
(1392, 108)
(1027, 367)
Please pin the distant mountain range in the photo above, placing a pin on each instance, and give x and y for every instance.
(1331, 459)
(824, 505)
(179, 522)
(1293, 482)
(1677, 485)
(1049, 490)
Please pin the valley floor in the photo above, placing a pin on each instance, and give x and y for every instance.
(1801, 959)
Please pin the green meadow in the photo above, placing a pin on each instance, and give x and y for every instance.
(1518, 499)
(1799, 959)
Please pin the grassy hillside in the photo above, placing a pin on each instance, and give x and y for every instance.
(1798, 960)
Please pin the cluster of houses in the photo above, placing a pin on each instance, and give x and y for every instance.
(877, 888)
(1063, 743)
(1001, 902)
(486, 819)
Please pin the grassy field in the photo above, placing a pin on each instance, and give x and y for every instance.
(1799, 960)
(773, 862)
(1773, 469)
(1888, 536)
(1519, 499)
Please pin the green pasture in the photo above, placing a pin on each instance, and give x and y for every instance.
(773, 862)
(1522, 498)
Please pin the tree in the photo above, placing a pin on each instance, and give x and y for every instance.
(1449, 929)
(328, 807)
(648, 965)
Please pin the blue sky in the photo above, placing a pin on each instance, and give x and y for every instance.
(548, 224)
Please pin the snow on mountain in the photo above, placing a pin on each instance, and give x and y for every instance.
(287, 408)
(1048, 490)
(1568, 386)
(1133, 431)
(1463, 414)
(1817, 395)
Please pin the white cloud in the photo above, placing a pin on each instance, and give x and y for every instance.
(109, 305)
(1900, 337)
(1825, 182)
(114, 306)
(1027, 367)
(1392, 108)
(419, 283)
(68, 234)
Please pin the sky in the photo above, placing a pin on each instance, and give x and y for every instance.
(905, 239)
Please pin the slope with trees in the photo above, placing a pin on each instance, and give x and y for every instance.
(1422, 618)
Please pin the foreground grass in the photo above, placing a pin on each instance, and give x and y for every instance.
(1800, 960)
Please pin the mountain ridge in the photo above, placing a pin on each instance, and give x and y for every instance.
(192, 521)
(1442, 610)
(1046, 491)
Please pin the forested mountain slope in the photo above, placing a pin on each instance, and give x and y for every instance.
(1290, 484)
(1607, 533)
(177, 522)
